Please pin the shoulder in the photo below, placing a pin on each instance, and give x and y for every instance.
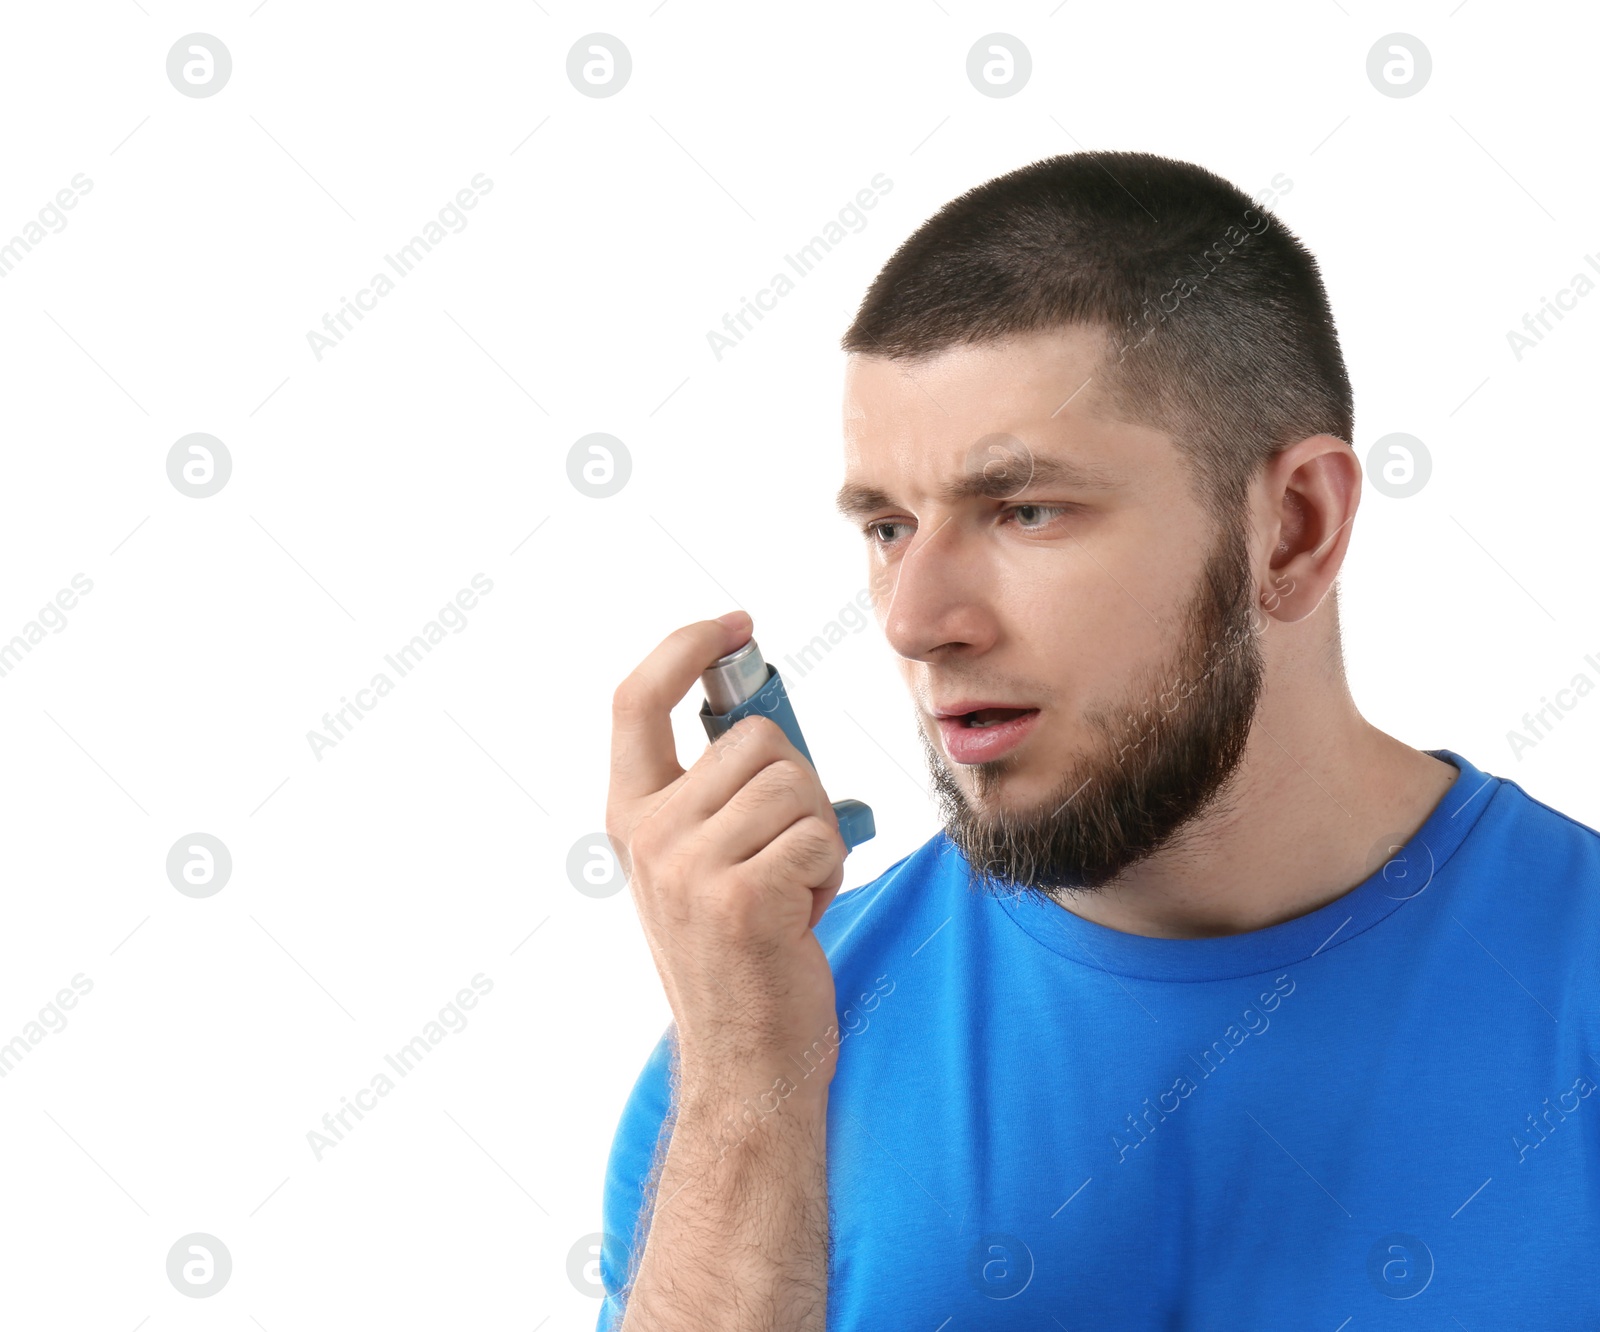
(1521, 826)
(1531, 872)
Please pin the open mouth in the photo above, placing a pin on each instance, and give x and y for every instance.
(991, 717)
(986, 734)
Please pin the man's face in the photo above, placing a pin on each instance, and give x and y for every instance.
(1105, 603)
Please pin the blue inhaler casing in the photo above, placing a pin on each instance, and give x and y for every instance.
(742, 683)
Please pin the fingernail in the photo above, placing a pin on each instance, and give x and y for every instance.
(736, 619)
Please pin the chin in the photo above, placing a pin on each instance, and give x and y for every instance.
(1015, 787)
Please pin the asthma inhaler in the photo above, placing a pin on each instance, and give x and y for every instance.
(741, 684)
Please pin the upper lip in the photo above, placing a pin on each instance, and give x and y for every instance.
(960, 709)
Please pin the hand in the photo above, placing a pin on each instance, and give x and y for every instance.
(731, 864)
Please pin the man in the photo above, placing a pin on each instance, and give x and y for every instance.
(1211, 1005)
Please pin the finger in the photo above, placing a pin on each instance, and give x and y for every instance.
(822, 898)
(779, 793)
(729, 764)
(698, 794)
(751, 790)
(693, 798)
(804, 856)
(643, 757)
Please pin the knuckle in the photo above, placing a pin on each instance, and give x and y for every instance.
(787, 772)
(806, 852)
(778, 783)
(630, 700)
(647, 839)
(738, 734)
(619, 833)
(783, 771)
(731, 739)
(757, 726)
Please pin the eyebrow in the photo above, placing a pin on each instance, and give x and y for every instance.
(857, 499)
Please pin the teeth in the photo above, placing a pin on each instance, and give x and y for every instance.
(978, 718)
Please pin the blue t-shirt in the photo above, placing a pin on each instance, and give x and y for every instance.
(1380, 1114)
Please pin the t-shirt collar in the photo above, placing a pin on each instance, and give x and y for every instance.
(1419, 862)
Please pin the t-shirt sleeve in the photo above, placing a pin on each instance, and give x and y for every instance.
(628, 1170)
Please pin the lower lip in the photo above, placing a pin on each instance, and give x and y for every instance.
(981, 744)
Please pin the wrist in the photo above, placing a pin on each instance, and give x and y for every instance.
(732, 1112)
(719, 1075)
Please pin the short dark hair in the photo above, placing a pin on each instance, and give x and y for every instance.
(1218, 326)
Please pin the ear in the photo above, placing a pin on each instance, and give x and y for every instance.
(1307, 495)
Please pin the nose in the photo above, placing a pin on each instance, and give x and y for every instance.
(934, 599)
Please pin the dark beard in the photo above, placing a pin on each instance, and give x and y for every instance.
(1157, 760)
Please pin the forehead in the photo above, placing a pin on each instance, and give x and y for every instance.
(1038, 398)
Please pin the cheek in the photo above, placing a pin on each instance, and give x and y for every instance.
(1096, 622)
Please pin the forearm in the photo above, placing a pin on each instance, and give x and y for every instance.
(738, 1238)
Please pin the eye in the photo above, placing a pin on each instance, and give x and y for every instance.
(1047, 512)
(1050, 510)
(871, 530)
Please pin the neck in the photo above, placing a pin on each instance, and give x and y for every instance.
(1312, 810)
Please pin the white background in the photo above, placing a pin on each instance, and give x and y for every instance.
(371, 884)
